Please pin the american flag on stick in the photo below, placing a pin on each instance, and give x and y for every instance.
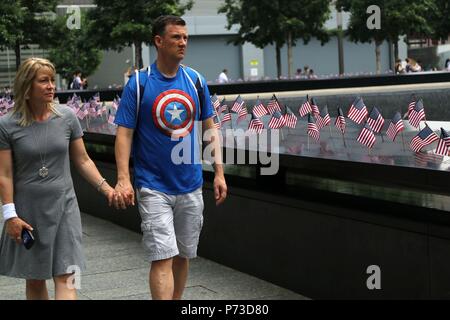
(358, 111)
(226, 115)
(273, 105)
(314, 107)
(313, 131)
(340, 120)
(255, 124)
(238, 104)
(395, 126)
(290, 118)
(277, 121)
(375, 120)
(443, 147)
(259, 110)
(366, 136)
(323, 118)
(305, 108)
(425, 137)
(417, 114)
(242, 114)
(215, 102)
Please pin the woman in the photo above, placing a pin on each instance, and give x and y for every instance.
(36, 142)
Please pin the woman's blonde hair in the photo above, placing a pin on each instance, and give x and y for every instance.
(22, 86)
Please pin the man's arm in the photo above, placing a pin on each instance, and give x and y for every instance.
(122, 148)
(220, 186)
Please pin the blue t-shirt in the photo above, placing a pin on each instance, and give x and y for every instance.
(165, 143)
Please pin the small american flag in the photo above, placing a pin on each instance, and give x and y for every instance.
(305, 108)
(357, 111)
(417, 114)
(242, 114)
(255, 124)
(223, 106)
(340, 121)
(216, 120)
(259, 110)
(226, 115)
(443, 147)
(375, 120)
(238, 104)
(215, 102)
(313, 131)
(323, 118)
(277, 121)
(395, 126)
(314, 107)
(423, 138)
(290, 118)
(366, 136)
(273, 105)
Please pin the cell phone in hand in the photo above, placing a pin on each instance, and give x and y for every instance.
(27, 238)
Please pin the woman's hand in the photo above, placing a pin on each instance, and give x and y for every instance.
(14, 228)
(114, 198)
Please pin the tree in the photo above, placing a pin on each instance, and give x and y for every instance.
(120, 23)
(73, 49)
(26, 22)
(396, 17)
(279, 22)
(439, 19)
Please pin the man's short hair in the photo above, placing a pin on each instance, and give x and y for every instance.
(159, 25)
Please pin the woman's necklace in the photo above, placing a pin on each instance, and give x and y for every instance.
(43, 171)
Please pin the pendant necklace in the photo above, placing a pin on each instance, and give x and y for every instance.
(43, 171)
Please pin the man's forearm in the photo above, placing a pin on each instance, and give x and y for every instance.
(122, 153)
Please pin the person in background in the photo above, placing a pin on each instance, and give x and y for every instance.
(223, 78)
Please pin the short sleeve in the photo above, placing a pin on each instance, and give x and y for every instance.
(207, 110)
(75, 126)
(126, 113)
(5, 141)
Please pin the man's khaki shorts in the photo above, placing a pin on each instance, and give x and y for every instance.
(171, 224)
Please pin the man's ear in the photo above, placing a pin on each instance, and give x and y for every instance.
(158, 41)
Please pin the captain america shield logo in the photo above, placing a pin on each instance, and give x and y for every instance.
(174, 113)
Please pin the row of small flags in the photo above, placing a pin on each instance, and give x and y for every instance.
(6, 104)
(93, 108)
(371, 122)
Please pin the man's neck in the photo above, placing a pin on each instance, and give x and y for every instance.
(167, 68)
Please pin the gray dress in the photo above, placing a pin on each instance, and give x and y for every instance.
(48, 204)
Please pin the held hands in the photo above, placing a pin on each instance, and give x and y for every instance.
(114, 198)
(220, 189)
(125, 188)
(14, 228)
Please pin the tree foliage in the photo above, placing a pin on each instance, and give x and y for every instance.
(266, 22)
(25, 22)
(397, 17)
(73, 50)
(120, 23)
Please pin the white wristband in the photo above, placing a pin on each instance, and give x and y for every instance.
(9, 211)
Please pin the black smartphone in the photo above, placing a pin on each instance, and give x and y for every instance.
(27, 238)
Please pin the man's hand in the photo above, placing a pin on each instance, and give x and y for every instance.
(125, 189)
(220, 189)
(14, 228)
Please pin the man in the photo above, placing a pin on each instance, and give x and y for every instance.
(169, 192)
(223, 78)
